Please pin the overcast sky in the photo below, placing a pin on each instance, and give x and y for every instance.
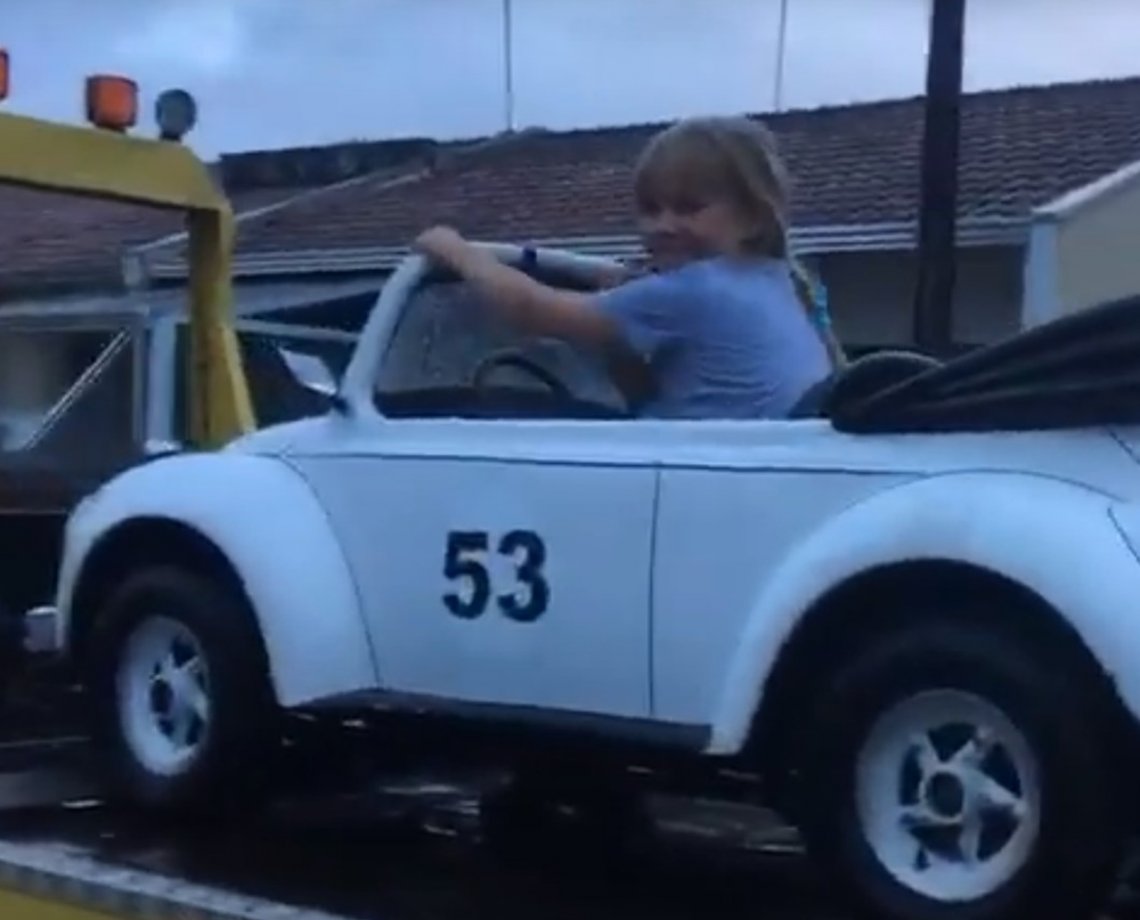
(273, 73)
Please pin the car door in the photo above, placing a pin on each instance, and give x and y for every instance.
(492, 571)
(499, 561)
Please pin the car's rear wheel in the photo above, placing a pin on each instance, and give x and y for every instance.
(949, 775)
(182, 705)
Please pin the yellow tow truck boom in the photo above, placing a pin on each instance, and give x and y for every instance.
(101, 160)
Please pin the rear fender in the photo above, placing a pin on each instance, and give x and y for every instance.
(268, 524)
(1054, 538)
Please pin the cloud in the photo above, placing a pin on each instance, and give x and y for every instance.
(283, 72)
(199, 38)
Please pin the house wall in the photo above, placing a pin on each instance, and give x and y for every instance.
(872, 295)
(1096, 251)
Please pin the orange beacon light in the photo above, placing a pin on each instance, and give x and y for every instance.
(112, 102)
(5, 66)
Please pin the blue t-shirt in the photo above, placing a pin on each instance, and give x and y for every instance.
(725, 339)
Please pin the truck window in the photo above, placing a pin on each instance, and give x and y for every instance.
(53, 389)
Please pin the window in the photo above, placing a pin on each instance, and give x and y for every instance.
(98, 424)
(45, 400)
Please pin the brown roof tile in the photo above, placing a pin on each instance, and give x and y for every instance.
(52, 241)
(852, 165)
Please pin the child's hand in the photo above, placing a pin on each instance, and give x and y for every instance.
(443, 244)
(612, 276)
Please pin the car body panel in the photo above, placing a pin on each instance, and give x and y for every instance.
(587, 649)
(756, 521)
(264, 518)
(721, 540)
(1050, 536)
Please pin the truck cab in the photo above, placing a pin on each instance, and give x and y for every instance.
(91, 388)
(88, 391)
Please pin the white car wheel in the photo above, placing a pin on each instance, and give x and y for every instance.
(948, 795)
(184, 712)
(164, 695)
(946, 774)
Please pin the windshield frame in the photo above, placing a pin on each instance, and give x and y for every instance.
(357, 386)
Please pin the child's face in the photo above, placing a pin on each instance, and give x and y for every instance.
(687, 230)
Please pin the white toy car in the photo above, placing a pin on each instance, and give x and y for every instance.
(912, 611)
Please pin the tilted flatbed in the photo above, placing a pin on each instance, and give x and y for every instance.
(52, 869)
(55, 881)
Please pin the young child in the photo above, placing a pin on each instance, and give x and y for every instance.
(718, 329)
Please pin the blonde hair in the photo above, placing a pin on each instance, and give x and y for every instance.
(697, 161)
(802, 283)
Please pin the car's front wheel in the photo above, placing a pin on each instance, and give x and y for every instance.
(951, 775)
(183, 711)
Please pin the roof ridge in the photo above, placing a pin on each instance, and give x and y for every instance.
(407, 174)
(474, 143)
(1026, 89)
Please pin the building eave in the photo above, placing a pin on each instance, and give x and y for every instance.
(1106, 187)
(882, 237)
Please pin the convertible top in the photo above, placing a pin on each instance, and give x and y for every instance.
(1080, 371)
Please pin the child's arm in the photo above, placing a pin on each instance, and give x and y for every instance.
(627, 323)
(523, 302)
(641, 315)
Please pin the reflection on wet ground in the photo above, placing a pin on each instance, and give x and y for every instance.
(418, 853)
(416, 856)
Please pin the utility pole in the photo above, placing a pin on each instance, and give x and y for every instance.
(508, 65)
(934, 294)
(781, 55)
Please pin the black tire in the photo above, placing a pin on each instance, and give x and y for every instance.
(1069, 864)
(233, 768)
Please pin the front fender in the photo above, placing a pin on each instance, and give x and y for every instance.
(1055, 538)
(269, 525)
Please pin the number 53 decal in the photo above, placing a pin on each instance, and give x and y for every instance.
(466, 558)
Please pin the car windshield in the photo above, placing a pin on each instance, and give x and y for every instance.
(446, 331)
(59, 388)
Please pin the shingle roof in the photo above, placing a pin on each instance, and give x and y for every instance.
(50, 240)
(852, 165)
(54, 241)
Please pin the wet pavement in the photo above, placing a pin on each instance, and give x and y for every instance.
(419, 850)
(421, 854)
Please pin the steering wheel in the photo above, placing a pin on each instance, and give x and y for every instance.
(519, 361)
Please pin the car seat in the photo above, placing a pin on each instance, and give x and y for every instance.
(863, 377)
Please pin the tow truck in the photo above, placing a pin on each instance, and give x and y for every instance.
(149, 373)
(90, 389)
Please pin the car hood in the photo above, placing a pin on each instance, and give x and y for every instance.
(277, 439)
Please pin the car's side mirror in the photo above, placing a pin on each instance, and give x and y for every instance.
(310, 371)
